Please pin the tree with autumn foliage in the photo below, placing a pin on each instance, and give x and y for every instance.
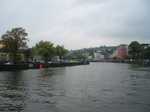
(14, 40)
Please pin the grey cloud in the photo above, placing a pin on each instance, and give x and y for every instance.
(95, 21)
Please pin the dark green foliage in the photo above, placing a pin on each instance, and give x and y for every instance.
(147, 53)
(135, 50)
(15, 40)
(45, 49)
(140, 53)
(60, 51)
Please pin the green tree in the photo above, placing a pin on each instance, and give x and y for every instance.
(45, 49)
(147, 53)
(13, 41)
(135, 50)
(61, 51)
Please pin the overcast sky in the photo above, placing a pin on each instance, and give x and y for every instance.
(78, 23)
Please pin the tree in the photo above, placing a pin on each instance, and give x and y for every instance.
(147, 53)
(61, 51)
(13, 41)
(135, 50)
(45, 49)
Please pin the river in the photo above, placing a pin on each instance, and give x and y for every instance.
(98, 87)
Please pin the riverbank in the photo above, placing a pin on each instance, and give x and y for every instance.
(141, 63)
(37, 65)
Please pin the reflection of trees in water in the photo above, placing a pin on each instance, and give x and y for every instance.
(49, 86)
(12, 92)
(48, 73)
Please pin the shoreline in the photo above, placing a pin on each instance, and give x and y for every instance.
(25, 66)
(38, 65)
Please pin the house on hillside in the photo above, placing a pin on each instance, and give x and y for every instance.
(98, 56)
(121, 52)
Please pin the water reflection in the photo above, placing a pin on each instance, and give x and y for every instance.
(48, 89)
(12, 94)
(105, 87)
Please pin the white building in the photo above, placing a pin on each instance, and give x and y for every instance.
(98, 56)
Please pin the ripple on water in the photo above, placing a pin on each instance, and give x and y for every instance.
(98, 87)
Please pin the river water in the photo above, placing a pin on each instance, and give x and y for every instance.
(98, 87)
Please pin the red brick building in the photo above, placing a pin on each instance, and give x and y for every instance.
(121, 52)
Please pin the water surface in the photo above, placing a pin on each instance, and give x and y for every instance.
(98, 87)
